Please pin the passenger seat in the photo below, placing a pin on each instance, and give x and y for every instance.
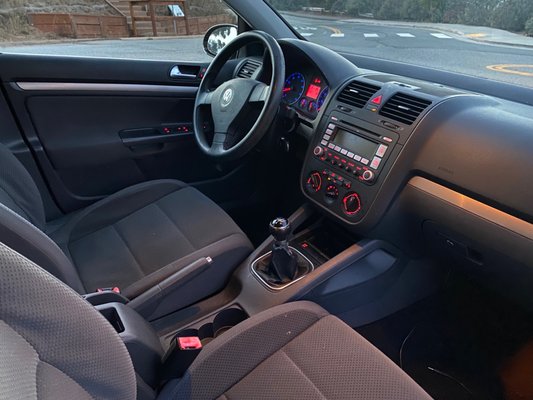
(55, 345)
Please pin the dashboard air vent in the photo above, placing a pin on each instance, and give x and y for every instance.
(248, 68)
(357, 94)
(404, 108)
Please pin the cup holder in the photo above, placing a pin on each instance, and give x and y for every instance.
(223, 321)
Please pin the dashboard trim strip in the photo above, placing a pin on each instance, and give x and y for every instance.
(104, 87)
(482, 210)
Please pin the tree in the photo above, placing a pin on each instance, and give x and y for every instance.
(512, 14)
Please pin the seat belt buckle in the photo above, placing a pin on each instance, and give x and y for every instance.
(115, 289)
(189, 343)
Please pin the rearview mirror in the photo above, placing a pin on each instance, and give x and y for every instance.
(217, 37)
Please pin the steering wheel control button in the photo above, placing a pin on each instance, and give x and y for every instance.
(375, 163)
(367, 176)
(351, 203)
(382, 149)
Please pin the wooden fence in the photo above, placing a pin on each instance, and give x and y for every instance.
(81, 26)
(197, 25)
(93, 26)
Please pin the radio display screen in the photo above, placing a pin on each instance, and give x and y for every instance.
(356, 144)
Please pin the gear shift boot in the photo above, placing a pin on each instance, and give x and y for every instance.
(262, 269)
(284, 264)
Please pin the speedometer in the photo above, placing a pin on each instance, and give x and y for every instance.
(322, 98)
(294, 88)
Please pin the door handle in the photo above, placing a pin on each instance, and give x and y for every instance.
(175, 72)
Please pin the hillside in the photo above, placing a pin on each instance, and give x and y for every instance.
(14, 23)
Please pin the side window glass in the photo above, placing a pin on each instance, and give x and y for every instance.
(136, 29)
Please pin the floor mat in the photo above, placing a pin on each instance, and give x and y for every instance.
(467, 343)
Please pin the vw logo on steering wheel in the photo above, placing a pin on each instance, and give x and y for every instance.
(227, 96)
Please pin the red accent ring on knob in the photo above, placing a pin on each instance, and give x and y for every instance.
(345, 205)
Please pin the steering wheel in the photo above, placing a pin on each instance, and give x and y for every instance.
(231, 102)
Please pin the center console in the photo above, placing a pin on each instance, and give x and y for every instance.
(345, 164)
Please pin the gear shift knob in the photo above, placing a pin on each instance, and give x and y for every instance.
(280, 228)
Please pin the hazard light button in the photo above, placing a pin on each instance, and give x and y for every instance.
(377, 100)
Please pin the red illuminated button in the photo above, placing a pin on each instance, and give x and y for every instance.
(382, 149)
(377, 100)
(189, 343)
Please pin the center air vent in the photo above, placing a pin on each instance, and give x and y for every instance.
(357, 94)
(248, 68)
(404, 108)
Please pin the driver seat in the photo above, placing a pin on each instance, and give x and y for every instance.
(133, 239)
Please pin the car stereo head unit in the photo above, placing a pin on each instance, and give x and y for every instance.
(342, 171)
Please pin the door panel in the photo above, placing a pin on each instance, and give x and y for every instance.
(99, 125)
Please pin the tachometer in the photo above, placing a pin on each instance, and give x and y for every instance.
(322, 98)
(294, 88)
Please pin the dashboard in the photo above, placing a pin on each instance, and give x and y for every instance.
(404, 159)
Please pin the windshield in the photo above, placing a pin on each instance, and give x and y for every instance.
(486, 38)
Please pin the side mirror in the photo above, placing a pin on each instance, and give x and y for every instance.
(219, 36)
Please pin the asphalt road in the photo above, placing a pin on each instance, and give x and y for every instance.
(426, 47)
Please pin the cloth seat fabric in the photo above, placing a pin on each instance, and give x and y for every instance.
(132, 239)
(57, 346)
(293, 351)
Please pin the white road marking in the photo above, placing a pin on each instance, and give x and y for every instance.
(441, 36)
(371, 35)
(405, 35)
(337, 35)
(306, 33)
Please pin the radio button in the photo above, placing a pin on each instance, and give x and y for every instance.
(344, 152)
(329, 131)
(381, 150)
(331, 126)
(318, 151)
(364, 161)
(324, 142)
(337, 148)
(367, 176)
(357, 158)
(327, 137)
(350, 154)
(331, 146)
(375, 162)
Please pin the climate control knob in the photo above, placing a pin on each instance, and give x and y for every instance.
(351, 203)
(367, 176)
(318, 151)
(332, 193)
(314, 182)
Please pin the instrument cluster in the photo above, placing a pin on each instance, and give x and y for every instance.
(307, 93)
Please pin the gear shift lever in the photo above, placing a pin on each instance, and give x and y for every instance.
(283, 263)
